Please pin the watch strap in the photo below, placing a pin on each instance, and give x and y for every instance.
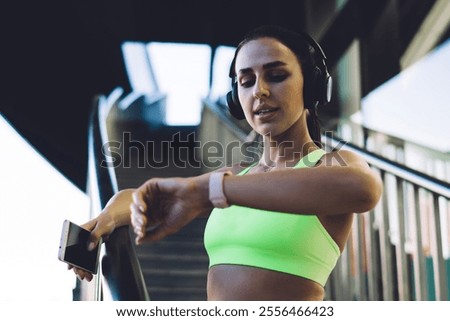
(216, 193)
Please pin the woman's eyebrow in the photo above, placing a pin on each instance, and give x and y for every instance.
(269, 65)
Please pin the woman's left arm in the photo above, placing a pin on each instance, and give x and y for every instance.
(342, 183)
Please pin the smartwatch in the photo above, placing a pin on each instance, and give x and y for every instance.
(216, 194)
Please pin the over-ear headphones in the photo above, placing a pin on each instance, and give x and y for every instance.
(316, 91)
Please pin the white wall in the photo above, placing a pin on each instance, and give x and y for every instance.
(34, 201)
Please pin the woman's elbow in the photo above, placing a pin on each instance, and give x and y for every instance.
(370, 191)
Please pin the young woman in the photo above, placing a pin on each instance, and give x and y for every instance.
(275, 228)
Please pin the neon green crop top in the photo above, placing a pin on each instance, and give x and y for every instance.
(291, 243)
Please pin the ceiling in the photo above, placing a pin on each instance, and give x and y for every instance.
(57, 55)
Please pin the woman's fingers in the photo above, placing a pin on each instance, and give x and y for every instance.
(139, 198)
(157, 234)
(141, 219)
(90, 225)
(95, 236)
(82, 274)
(139, 222)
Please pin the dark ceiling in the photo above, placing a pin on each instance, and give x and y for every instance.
(56, 56)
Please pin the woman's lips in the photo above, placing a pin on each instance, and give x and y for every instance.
(266, 113)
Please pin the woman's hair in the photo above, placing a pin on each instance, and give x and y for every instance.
(303, 50)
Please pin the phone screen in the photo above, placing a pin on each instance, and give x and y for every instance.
(73, 248)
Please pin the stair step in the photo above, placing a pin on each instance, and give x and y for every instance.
(175, 278)
(172, 248)
(176, 272)
(177, 294)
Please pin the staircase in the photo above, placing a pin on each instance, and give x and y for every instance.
(175, 268)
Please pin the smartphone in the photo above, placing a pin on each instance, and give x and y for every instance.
(73, 248)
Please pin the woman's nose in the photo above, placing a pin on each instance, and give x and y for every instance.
(261, 90)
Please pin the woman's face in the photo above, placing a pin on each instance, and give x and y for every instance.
(270, 86)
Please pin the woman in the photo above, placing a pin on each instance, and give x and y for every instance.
(277, 227)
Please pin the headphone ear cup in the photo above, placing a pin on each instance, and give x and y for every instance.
(234, 106)
(321, 87)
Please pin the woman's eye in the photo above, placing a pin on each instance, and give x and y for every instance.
(246, 83)
(277, 77)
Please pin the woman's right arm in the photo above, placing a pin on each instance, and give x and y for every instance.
(115, 214)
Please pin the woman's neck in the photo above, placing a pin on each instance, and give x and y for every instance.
(286, 151)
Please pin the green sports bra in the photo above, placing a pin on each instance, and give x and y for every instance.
(297, 244)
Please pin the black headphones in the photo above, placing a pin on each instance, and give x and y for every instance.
(316, 91)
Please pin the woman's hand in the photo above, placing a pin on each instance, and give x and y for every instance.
(163, 206)
(116, 213)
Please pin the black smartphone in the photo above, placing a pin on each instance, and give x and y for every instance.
(73, 248)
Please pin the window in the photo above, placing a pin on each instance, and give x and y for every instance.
(182, 73)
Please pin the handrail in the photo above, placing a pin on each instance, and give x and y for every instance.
(413, 176)
(356, 126)
(120, 265)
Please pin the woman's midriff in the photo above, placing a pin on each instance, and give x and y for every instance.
(244, 283)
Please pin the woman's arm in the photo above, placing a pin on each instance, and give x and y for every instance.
(342, 183)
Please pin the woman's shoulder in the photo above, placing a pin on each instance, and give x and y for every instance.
(342, 157)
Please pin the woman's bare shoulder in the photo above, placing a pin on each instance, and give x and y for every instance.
(342, 158)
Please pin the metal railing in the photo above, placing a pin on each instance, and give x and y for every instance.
(435, 163)
(398, 251)
(120, 269)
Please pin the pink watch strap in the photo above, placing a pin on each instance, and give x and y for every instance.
(216, 194)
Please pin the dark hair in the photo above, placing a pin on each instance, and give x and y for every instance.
(299, 44)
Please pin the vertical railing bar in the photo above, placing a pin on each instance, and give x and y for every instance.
(385, 247)
(373, 263)
(419, 257)
(362, 253)
(349, 276)
(339, 280)
(371, 258)
(329, 287)
(340, 284)
(402, 271)
(335, 278)
(438, 258)
(353, 258)
(350, 293)
(356, 262)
